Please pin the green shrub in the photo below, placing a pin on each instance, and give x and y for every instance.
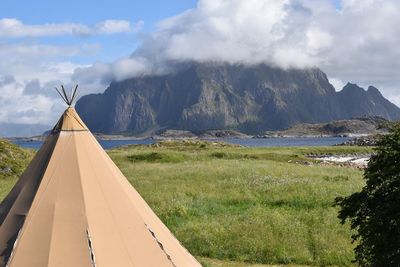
(158, 157)
(374, 212)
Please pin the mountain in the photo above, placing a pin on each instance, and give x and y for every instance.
(252, 99)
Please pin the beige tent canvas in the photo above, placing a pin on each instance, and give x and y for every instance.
(73, 207)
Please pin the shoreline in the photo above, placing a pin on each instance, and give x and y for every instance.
(199, 137)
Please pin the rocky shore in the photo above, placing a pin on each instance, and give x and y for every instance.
(370, 140)
(350, 160)
(357, 127)
(210, 134)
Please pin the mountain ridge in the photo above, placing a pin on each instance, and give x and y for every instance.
(207, 96)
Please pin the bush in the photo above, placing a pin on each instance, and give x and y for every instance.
(158, 157)
(374, 213)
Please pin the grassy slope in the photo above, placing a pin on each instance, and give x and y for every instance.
(13, 161)
(230, 205)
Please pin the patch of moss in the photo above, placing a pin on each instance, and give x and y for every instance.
(158, 157)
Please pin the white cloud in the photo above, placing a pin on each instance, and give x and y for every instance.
(337, 83)
(233, 31)
(43, 62)
(358, 43)
(358, 5)
(281, 33)
(396, 99)
(117, 26)
(28, 75)
(13, 28)
(18, 107)
(36, 50)
(317, 39)
(29, 69)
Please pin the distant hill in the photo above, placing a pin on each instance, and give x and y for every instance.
(19, 130)
(205, 96)
(352, 127)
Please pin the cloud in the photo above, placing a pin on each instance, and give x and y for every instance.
(337, 83)
(28, 75)
(30, 69)
(275, 32)
(117, 26)
(14, 28)
(357, 43)
(26, 61)
(29, 51)
(120, 69)
(358, 5)
(19, 107)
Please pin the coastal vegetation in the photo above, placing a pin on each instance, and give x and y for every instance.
(253, 205)
(374, 211)
(237, 206)
(13, 161)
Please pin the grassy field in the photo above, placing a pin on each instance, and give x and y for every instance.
(234, 206)
(253, 205)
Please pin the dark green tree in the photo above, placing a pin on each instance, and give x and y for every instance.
(374, 213)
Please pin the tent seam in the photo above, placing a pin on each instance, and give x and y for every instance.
(160, 245)
(109, 207)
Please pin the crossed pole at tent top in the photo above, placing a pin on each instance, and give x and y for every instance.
(68, 99)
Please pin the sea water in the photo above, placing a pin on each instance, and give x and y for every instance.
(248, 142)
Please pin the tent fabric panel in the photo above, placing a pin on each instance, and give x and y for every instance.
(16, 205)
(69, 241)
(33, 173)
(135, 204)
(56, 208)
(33, 243)
(70, 121)
(114, 225)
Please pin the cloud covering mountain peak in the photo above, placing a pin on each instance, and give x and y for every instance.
(353, 43)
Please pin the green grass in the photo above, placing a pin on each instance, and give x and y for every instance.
(253, 205)
(13, 161)
(207, 262)
(235, 206)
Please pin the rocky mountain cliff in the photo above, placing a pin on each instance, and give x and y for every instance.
(252, 99)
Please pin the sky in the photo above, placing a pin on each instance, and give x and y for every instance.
(91, 43)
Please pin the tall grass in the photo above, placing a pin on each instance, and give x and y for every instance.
(262, 205)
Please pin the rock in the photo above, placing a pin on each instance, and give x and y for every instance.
(174, 134)
(6, 170)
(222, 134)
(340, 128)
(362, 141)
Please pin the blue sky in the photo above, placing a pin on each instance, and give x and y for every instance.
(90, 12)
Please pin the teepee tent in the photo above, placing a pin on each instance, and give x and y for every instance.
(73, 207)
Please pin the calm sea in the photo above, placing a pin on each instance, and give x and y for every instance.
(253, 142)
